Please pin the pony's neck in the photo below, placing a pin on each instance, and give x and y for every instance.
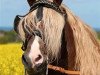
(62, 60)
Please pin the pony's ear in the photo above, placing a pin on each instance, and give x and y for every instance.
(58, 2)
(16, 23)
(30, 2)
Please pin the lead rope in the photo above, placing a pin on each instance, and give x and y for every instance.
(62, 70)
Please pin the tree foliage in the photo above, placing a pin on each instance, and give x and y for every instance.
(9, 37)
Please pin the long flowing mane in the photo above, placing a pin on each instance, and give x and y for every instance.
(85, 46)
(82, 45)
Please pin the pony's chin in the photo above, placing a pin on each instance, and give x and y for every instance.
(39, 69)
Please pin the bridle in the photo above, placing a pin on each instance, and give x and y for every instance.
(39, 5)
(46, 3)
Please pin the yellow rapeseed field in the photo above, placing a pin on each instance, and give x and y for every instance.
(10, 59)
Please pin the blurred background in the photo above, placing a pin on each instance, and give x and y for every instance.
(87, 10)
(10, 52)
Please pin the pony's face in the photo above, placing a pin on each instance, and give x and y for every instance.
(35, 55)
(47, 20)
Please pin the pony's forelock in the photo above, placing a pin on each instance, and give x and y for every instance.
(54, 24)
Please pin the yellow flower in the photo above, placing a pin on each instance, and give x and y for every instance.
(10, 59)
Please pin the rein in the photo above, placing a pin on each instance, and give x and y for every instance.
(62, 70)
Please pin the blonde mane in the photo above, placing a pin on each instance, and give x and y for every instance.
(82, 45)
(86, 46)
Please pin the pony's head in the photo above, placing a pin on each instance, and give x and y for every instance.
(35, 55)
(37, 29)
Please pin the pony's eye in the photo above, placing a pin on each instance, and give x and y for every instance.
(23, 48)
(16, 22)
(37, 33)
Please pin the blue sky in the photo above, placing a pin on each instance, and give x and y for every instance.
(87, 10)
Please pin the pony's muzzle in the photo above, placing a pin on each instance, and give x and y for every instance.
(36, 67)
(32, 62)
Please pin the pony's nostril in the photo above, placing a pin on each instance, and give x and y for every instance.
(38, 58)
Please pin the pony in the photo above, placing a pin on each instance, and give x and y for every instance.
(57, 37)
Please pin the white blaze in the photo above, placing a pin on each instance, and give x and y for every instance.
(35, 51)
